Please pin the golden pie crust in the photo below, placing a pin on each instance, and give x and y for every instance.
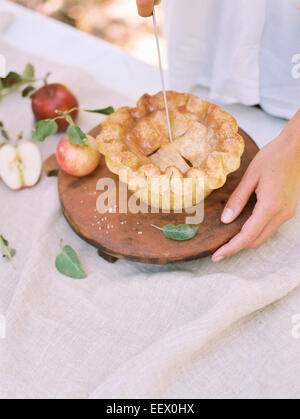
(206, 148)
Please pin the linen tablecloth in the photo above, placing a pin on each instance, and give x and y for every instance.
(6, 18)
(132, 330)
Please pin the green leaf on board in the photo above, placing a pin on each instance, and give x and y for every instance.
(44, 129)
(68, 264)
(181, 232)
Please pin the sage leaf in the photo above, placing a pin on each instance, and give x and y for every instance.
(181, 232)
(28, 90)
(4, 133)
(10, 80)
(105, 111)
(44, 129)
(7, 252)
(14, 80)
(68, 264)
(76, 135)
(28, 73)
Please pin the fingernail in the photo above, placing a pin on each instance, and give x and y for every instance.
(218, 258)
(227, 216)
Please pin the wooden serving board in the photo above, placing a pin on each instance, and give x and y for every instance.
(130, 236)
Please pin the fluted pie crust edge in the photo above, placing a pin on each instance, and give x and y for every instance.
(206, 148)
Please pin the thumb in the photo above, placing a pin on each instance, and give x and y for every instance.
(240, 198)
(145, 7)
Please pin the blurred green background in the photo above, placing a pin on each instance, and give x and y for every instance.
(115, 21)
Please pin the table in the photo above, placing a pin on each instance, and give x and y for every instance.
(195, 330)
(130, 76)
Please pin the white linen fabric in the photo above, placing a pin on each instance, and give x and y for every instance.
(6, 18)
(244, 51)
(132, 330)
(280, 59)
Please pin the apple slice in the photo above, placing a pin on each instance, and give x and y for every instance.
(21, 166)
(9, 171)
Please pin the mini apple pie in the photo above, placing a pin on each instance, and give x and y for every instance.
(206, 148)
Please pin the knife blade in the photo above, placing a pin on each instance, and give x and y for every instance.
(161, 70)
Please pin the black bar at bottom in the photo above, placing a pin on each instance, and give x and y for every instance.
(146, 408)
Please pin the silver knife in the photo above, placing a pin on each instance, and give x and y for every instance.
(157, 2)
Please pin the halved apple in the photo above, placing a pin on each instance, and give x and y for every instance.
(21, 166)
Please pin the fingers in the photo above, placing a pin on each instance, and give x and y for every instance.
(239, 198)
(268, 232)
(145, 7)
(272, 227)
(250, 233)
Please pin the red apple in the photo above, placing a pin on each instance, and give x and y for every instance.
(76, 160)
(50, 98)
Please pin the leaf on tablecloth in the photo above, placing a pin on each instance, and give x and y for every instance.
(4, 135)
(28, 91)
(7, 252)
(68, 264)
(14, 80)
(28, 73)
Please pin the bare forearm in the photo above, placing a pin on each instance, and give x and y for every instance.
(292, 131)
(274, 176)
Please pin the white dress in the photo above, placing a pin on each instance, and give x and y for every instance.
(244, 51)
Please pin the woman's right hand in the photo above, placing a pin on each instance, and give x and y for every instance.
(145, 7)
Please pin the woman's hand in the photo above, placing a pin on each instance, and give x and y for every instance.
(275, 177)
(145, 7)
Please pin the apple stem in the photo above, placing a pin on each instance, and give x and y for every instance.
(19, 138)
(72, 110)
(65, 114)
(60, 113)
(69, 119)
(46, 79)
(158, 228)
